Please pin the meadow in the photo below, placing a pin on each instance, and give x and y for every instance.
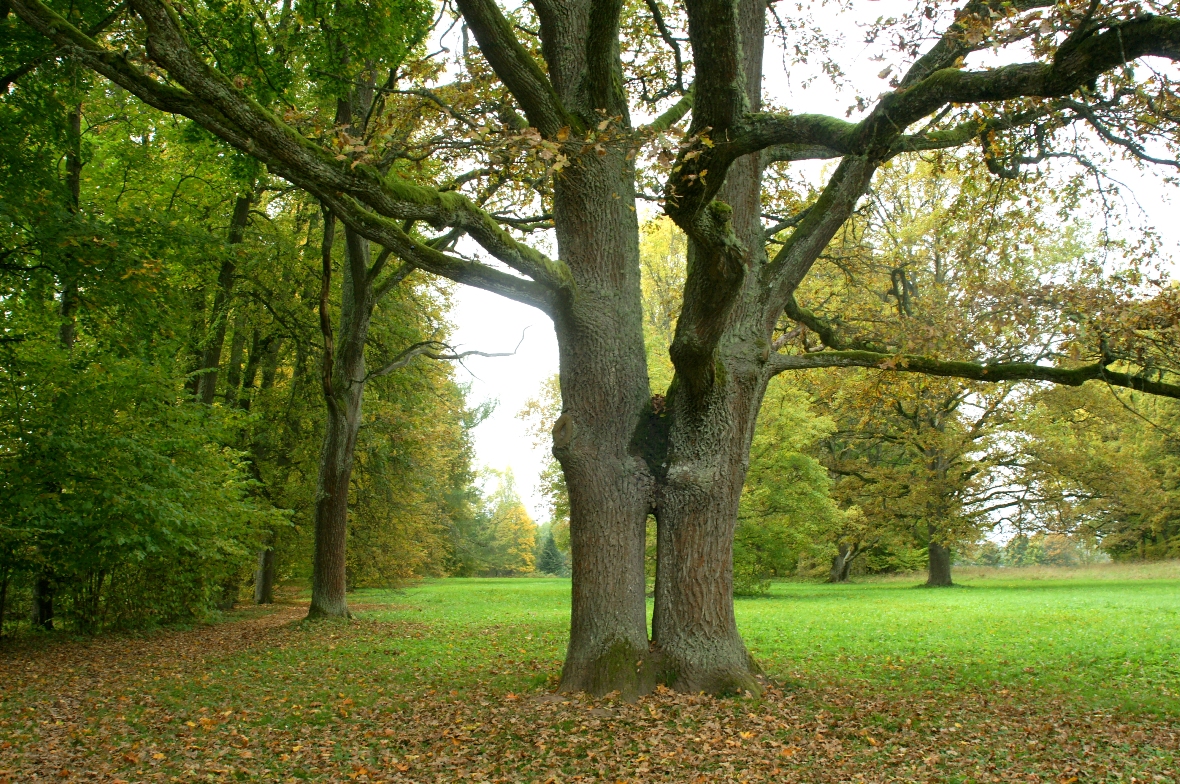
(1033, 676)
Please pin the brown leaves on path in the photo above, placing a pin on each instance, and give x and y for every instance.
(261, 699)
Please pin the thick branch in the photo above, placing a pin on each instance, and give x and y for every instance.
(993, 372)
(516, 67)
(211, 99)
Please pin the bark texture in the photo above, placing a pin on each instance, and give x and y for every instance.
(713, 405)
(605, 397)
(344, 385)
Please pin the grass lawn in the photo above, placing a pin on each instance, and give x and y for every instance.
(1007, 678)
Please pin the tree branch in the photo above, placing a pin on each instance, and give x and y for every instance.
(516, 67)
(988, 372)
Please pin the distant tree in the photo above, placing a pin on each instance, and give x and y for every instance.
(552, 560)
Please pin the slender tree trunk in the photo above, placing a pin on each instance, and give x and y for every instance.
(43, 587)
(344, 384)
(264, 577)
(67, 333)
(215, 337)
(272, 349)
(233, 369)
(939, 570)
(605, 397)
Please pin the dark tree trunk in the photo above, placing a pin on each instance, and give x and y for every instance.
(233, 369)
(253, 359)
(605, 396)
(939, 570)
(344, 385)
(215, 334)
(842, 563)
(272, 348)
(264, 577)
(42, 614)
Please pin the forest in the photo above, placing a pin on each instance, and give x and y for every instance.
(844, 293)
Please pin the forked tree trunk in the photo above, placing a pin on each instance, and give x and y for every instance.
(939, 571)
(693, 627)
(605, 396)
(842, 563)
(344, 391)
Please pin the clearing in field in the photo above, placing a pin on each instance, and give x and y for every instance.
(1009, 678)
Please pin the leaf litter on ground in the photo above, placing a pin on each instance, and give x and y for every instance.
(265, 697)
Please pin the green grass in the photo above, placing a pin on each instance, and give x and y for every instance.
(1073, 675)
(1114, 644)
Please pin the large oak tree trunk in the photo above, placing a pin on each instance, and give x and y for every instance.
(694, 627)
(939, 570)
(345, 361)
(605, 396)
(712, 426)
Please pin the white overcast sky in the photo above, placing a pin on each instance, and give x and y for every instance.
(488, 322)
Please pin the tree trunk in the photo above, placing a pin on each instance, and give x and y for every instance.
(694, 627)
(264, 577)
(939, 571)
(344, 385)
(605, 397)
(42, 614)
(215, 336)
(712, 427)
(233, 370)
(842, 564)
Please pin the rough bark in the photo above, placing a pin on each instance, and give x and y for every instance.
(605, 397)
(713, 405)
(215, 335)
(939, 570)
(344, 384)
(264, 577)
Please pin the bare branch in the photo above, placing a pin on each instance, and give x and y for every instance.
(988, 372)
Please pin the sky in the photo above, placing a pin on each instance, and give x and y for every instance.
(486, 322)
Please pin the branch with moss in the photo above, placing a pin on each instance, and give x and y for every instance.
(210, 99)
